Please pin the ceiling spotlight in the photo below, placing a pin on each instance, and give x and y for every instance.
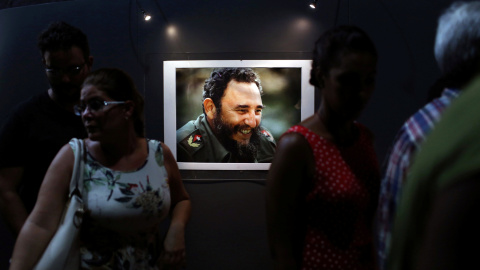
(146, 16)
(313, 4)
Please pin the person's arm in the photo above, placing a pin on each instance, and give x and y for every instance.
(13, 146)
(292, 164)
(11, 206)
(42, 223)
(174, 244)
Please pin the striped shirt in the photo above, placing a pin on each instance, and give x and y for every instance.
(407, 142)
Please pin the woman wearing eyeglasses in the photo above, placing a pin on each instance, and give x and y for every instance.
(130, 184)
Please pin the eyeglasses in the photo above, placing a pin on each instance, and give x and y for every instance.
(94, 106)
(70, 71)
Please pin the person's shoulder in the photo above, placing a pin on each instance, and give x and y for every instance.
(431, 112)
(293, 147)
(191, 142)
(22, 113)
(156, 148)
(153, 142)
(186, 130)
(294, 137)
(31, 104)
(190, 137)
(266, 135)
(420, 124)
(297, 130)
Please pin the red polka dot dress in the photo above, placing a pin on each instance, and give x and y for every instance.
(340, 203)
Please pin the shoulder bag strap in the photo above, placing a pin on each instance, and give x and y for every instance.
(76, 182)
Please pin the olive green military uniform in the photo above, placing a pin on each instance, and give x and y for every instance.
(196, 142)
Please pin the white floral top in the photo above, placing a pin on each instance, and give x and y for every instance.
(123, 212)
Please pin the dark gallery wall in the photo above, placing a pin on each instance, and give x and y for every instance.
(227, 229)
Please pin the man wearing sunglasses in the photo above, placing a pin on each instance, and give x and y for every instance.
(40, 126)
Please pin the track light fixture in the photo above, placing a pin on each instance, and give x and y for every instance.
(146, 16)
(313, 4)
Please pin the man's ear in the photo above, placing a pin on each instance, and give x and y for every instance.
(210, 109)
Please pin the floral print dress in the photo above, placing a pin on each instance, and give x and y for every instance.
(120, 228)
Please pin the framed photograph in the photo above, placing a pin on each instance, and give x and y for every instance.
(287, 99)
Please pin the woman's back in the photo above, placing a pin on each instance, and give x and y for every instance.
(340, 203)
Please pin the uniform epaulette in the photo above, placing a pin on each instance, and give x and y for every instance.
(192, 142)
(267, 135)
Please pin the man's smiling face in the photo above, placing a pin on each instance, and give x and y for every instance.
(241, 110)
(236, 123)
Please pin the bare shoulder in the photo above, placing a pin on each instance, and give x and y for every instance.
(65, 155)
(167, 153)
(169, 160)
(62, 164)
(55, 186)
(292, 165)
(293, 150)
(292, 142)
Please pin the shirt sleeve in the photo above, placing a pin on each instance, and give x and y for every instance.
(390, 190)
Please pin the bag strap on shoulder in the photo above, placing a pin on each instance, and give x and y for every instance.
(76, 182)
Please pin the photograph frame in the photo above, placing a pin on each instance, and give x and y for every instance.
(170, 67)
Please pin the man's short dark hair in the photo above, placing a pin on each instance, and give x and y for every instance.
(216, 84)
(61, 36)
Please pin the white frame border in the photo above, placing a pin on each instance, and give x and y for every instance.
(169, 94)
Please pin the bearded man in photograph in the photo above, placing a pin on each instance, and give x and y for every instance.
(229, 128)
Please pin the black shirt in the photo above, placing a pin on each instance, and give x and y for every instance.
(31, 138)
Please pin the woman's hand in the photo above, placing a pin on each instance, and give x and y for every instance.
(173, 254)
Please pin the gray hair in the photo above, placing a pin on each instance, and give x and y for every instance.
(457, 43)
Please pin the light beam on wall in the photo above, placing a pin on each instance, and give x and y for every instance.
(171, 31)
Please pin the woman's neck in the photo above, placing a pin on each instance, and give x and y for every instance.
(118, 152)
(120, 146)
(335, 129)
